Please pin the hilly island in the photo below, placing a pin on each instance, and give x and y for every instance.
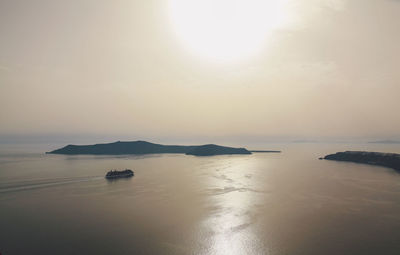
(390, 160)
(143, 147)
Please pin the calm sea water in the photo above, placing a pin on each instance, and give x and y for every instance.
(288, 203)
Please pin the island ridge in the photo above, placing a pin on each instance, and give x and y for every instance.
(143, 147)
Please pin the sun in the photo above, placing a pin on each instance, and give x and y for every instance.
(226, 29)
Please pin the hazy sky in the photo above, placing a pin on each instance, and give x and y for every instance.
(332, 68)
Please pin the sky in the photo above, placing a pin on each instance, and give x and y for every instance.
(318, 68)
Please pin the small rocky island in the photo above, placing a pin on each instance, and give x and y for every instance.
(143, 147)
(212, 149)
(114, 174)
(391, 160)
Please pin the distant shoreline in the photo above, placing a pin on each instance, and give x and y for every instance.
(264, 151)
(143, 147)
(390, 160)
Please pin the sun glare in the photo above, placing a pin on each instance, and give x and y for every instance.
(226, 29)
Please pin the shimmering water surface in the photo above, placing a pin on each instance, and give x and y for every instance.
(288, 203)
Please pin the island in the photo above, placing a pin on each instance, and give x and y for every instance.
(212, 149)
(390, 160)
(143, 147)
(263, 151)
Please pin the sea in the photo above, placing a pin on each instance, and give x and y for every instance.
(264, 203)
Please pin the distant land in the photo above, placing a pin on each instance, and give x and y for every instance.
(386, 141)
(263, 151)
(391, 160)
(143, 147)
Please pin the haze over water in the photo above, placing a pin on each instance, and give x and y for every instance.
(288, 203)
(229, 72)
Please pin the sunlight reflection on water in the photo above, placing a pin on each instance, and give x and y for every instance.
(233, 198)
(286, 203)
